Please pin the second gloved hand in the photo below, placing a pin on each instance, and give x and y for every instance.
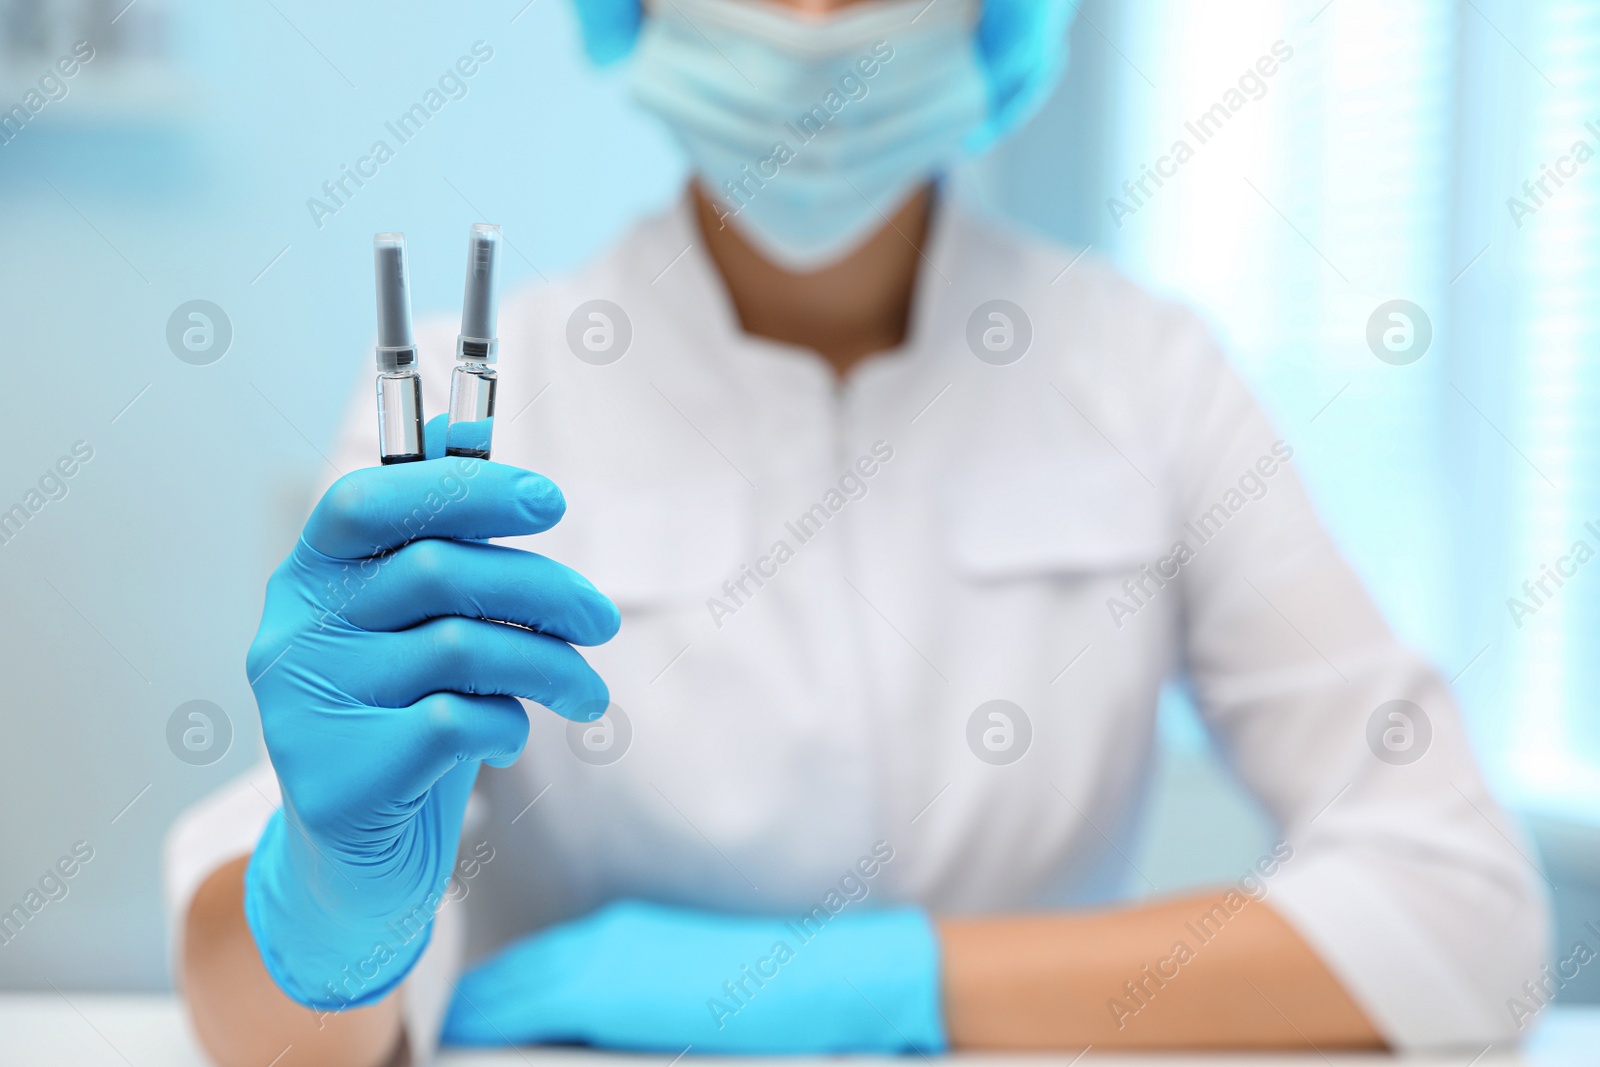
(642, 976)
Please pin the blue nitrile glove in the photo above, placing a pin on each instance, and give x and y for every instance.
(381, 688)
(647, 977)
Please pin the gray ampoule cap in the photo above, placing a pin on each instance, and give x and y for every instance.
(397, 348)
(477, 340)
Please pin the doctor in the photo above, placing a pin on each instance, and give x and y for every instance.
(901, 520)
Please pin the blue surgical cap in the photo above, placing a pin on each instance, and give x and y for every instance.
(1022, 45)
(609, 27)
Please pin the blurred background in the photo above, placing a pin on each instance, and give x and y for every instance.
(1442, 153)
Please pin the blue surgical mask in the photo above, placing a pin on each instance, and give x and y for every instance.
(809, 131)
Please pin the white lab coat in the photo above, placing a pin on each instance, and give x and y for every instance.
(780, 729)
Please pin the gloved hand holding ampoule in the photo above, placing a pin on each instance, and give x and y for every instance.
(381, 687)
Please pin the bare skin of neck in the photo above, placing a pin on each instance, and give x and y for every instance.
(844, 312)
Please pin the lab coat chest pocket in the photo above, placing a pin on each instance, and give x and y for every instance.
(1040, 554)
(1053, 516)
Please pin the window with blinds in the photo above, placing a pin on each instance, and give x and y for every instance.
(1290, 167)
(1553, 220)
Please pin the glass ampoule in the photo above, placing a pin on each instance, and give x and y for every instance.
(399, 385)
(473, 382)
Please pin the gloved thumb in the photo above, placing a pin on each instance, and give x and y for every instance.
(433, 436)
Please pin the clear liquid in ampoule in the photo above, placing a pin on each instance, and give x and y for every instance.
(471, 429)
(400, 417)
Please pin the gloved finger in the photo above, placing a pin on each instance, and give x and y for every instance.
(380, 508)
(472, 437)
(433, 436)
(450, 729)
(486, 1021)
(433, 578)
(485, 1016)
(515, 995)
(473, 656)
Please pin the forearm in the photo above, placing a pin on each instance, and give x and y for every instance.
(1063, 981)
(243, 1018)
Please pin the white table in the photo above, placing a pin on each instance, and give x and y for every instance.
(98, 1030)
